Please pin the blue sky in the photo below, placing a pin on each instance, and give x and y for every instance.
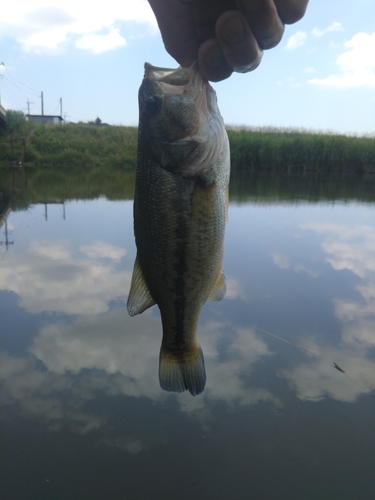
(320, 77)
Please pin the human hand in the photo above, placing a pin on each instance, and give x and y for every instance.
(223, 35)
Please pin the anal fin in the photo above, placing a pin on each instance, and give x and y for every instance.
(140, 297)
(219, 289)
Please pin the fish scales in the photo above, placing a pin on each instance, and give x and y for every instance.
(179, 223)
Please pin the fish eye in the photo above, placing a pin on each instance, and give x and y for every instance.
(152, 105)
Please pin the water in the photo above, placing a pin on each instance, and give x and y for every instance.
(83, 416)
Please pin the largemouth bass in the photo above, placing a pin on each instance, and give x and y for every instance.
(180, 212)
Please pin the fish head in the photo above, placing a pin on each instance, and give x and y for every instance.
(180, 123)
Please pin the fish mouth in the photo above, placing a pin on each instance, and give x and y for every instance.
(179, 77)
(170, 81)
(181, 81)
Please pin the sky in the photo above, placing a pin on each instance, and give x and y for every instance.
(320, 77)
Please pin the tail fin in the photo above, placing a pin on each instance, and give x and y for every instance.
(178, 374)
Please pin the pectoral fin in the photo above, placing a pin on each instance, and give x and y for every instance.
(139, 298)
(219, 289)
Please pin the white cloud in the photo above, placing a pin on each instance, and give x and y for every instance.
(280, 261)
(235, 289)
(318, 378)
(333, 27)
(356, 65)
(48, 25)
(129, 347)
(283, 262)
(296, 40)
(101, 43)
(353, 249)
(103, 250)
(54, 278)
(114, 343)
(115, 354)
(39, 394)
(129, 444)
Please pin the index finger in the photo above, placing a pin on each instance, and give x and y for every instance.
(264, 21)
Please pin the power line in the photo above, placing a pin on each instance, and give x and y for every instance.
(57, 107)
(16, 89)
(29, 89)
(17, 93)
(12, 92)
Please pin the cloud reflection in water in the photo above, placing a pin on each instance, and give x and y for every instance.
(104, 351)
(51, 276)
(348, 249)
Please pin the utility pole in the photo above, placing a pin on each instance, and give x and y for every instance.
(41, 98)
(28, 106)
(61, 107)
(7, 242)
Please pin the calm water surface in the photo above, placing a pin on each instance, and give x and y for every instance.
(83, 416)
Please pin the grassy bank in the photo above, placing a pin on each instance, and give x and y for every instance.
(88, 145)
(83, 145)
(286, 150)
(68, 145)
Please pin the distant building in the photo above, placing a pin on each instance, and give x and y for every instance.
(48, 119)
(3, 117)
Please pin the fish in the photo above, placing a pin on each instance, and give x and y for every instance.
(180, 214)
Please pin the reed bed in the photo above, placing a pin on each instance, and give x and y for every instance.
(90, 145)
(285, 150)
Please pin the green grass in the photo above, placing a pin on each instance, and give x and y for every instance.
(90, 145)
(82, 145)
(285, 150)
(69, 145)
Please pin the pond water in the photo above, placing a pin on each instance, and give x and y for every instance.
(83, 415)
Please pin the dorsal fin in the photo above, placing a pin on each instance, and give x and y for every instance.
(140, 297)
(219, 289)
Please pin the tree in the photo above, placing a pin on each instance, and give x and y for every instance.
(16, 121)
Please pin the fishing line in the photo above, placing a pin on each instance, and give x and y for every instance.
(307, 351)
(288, 342)
(350, 378)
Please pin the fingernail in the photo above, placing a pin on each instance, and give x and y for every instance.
(233, 31)
(245, 68)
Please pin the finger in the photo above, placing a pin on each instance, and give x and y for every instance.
(240, 48)
(212, 63)
(177, 29)
(264, 21)
(291, 11)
